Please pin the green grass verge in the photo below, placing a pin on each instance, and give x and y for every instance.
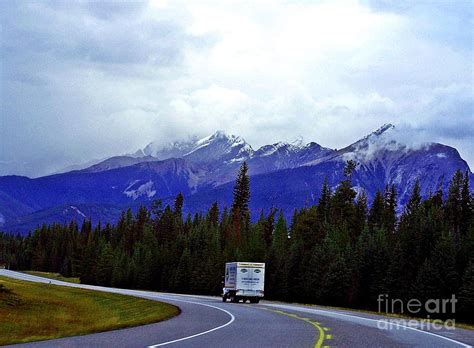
(33, 311)
(55, 276)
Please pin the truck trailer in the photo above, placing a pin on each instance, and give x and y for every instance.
(243, 281)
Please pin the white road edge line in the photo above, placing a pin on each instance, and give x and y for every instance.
(369, 319)
(232, 318)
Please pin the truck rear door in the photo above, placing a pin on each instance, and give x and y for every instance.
(257, 276)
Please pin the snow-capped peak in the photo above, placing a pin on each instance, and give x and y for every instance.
(209, 148)
(379, 144)
(220, 146)
(377, 135)
(171, 150)
(386, 127)
(380, 136)
(296, 141)
(219, 136)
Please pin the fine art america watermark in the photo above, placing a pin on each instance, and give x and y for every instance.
(431, 307)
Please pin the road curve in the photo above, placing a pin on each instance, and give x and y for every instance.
(207, 322)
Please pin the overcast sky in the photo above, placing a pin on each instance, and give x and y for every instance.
(87, 80)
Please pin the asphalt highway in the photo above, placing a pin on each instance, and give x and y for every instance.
(208, 322)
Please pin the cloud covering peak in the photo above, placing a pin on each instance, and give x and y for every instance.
(85, 80)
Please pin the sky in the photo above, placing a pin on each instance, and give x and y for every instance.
(81, 81)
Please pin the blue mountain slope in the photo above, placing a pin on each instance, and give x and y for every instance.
(120, 187)
(283, 175)
(64, 214)
(298, 187)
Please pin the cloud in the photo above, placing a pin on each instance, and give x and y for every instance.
(397, 140)
(89, 80)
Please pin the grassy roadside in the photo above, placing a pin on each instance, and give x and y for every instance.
(55, 276)
(33, 311)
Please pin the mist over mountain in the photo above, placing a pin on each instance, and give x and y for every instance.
(284, 175)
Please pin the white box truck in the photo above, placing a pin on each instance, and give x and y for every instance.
(243, 281)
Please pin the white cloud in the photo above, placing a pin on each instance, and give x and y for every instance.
(90, 80)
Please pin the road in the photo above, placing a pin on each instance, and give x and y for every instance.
(207, 322)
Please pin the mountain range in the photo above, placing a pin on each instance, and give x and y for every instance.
(285, 175)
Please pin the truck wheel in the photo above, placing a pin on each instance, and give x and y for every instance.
(224, 298)
(234, 299)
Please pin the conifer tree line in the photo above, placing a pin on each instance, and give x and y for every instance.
(340, 252)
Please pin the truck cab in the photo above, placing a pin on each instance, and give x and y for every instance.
(244, 281)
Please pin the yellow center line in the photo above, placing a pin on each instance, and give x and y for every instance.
(320, 329)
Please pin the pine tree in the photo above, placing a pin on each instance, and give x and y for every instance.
(453, 205)
(414, 202)
(467, 208)
(324, 201)
(411, 235)
(280, 237)
(466, 292)
(342, 202)
(105, 265)
(360, 216)
(255, 247)
(182, 273)
(466, 225)
(40, 252)
(269, 227)
(240, 206)
(276, 263)
(351, 165)
(178, 206)
(242, 191)
(396, 275)
(157, 208)
(119, 270)
(427, 282)
(390, 210)
(336, 282)
(443, 257)
(214, 214)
